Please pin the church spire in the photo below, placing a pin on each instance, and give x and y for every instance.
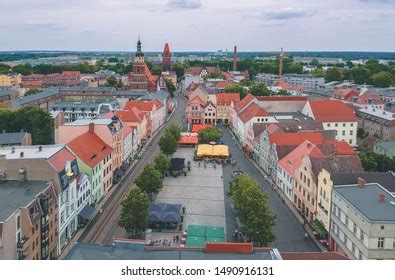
(139, 52)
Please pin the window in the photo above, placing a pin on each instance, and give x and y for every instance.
(308, 182)
(328, 125)
(362, 237)
(343, 132)
(351, 124)
(354, 229)
(382, 227)
(351, 132)
(336, 124)
(18, 222)
(380, 243)
(344, 125)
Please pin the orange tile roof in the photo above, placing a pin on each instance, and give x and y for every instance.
(59, 159)
(227, 98)
(244, 102)
(133, 115)
(341, 147)
(365, 97)
(224, 84)
(332, 111)
(198, 127)
(229, 248)
(90, 148)
(285, 85)
(293, 160)
(296, 138)
(345, 93)
(144, 106)
(252, 111)
(188, 140)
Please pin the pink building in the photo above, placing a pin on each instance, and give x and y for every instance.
(109, 130)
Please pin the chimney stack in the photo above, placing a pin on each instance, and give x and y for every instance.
(91, 127)
(12, 150)
(235, 59)
(361, 182)
(22, 154)
(381, 197)
(40, 148)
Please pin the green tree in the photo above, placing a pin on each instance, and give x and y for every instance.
(157, 70)
(32, 91)
(260, 90)
(381, 79)
(170, 87)
(236, 89)
(284, 92)
(150, 180)
(179, 68)
(212, 134)
(246, 83)
(23, 69)
(359, 75)
(111, 82)
(315, 62)
(4, 69)
(295, 69)
(35, 120)
(168, 144)
(215, 75)
(333, 74)
(134, 213)
(175, 130)
(162, 163)
(318, 72)
(113, 60)
(253, 207)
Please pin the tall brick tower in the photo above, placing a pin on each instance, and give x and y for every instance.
(166, 58)
(235, 59)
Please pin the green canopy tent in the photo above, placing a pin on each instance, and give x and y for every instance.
(195, 230)
(215, 232)
(215, 239)
(195, 241)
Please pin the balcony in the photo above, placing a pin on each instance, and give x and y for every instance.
(45, 227)
(22, 244)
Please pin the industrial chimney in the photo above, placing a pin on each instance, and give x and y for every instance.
(235, 60)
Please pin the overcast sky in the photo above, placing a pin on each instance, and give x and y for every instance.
(257, 25)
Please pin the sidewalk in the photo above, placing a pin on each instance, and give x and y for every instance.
(295, 211)
(80, 231)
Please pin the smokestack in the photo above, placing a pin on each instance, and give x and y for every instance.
(235, 59)
(91, 127)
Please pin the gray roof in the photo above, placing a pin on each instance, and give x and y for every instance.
(385, 179)
(5, 90)
(365, 200)
(35, 97)
(12, 138)
(336, 163)
(388, 145)
(82, 105)
(16, 194)
(136, 251)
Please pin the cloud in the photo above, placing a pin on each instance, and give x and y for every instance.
(377, 1)
(285, 14)
(43, 26)
(185, 4)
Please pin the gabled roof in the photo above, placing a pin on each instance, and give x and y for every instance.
(253, 110)
(296, 138)
(12, 138)
(133, 115)
(245, 102)
(345, 93)
(336, 147)
(336, 164)
(224, 84)
(227, 98)
(368, 96)
(90, 148)
(59, 159)
(332, 111)
(294, 159)
(144, 106)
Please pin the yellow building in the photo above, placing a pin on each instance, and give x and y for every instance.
(325, 186)
(10, 80)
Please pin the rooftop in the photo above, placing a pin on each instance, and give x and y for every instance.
(388, 145)
(16, 194)
(30, 152)
(11, 138)
(127, 250)
(385, 179)
(312, 256)
(378, 113)
(331, 111)
(365, 200)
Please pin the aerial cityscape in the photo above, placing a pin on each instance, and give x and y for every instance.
(186, 151)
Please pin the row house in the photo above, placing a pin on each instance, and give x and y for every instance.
(236, 109)
(201, 72)
(28, 220)
(359, 98)
(10, 80)
(137, 121)
(109, 130)
(224, 102)
(55, 163)
(334, 115)
(154, 110)
(210, 113)
(363, 221)
(194, 112)
(377, 122)
(95, 160)
(127, 144)
(305, 188)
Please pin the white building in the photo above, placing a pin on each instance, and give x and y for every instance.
(308, 82)
(363, 222)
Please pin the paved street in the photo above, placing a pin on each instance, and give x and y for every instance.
(103, 227)
(289, 231)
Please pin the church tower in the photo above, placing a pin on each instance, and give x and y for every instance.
(166, 58)
(139, 61)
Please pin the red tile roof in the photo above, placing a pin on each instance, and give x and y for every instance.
(341, 147)
(59, 159)
(285, 85)
(227, 98)
(345, 93)
(224, 84)
(313, 256)
(296, 138)
(144, 106)
(252, 111)
(198, 127)
(332, 111)
(90, 148)
(365, 97)
(244, 102)
(133, 115)
(229, 248)
(71, 73)
(126, 131)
